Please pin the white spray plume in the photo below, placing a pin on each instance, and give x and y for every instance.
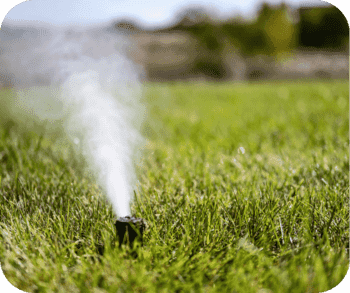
(94, 92)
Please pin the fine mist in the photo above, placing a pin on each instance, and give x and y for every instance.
(81, 80)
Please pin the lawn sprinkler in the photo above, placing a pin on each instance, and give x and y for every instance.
(130, 229)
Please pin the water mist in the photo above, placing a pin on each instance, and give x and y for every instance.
(82, 81)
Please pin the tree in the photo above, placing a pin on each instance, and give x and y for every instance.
(278, 28)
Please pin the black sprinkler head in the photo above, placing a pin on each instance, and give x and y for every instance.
(130, 229)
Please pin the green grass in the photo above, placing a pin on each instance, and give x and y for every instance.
(245, 188)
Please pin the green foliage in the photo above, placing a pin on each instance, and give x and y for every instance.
(245, 188)
(209, 68)
(198, 23)
(323, 28)
(211, 42)
(249, 38)
(277, 29)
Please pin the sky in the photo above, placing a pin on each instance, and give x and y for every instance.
(148, 13)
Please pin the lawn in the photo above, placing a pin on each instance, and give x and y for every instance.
(244, 188)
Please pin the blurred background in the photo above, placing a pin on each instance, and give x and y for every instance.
(213, 40)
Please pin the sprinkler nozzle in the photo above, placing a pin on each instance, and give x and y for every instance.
(130, 229)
